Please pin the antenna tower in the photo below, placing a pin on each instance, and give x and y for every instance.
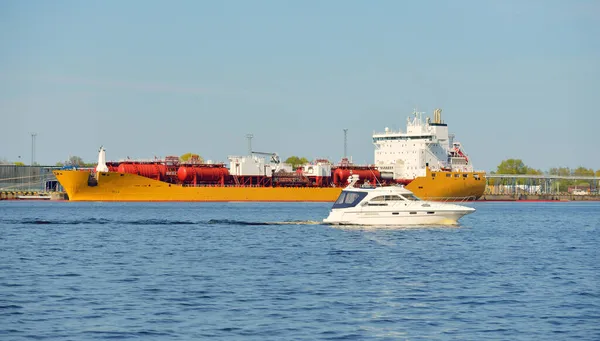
(249, 137)
(345, 143)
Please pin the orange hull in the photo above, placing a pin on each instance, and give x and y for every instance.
(130, 187)
(112, 186)
(448, 185)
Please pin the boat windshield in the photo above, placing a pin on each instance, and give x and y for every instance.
(349, 199)
(410, 197)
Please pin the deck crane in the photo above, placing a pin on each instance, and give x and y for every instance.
(274, 156)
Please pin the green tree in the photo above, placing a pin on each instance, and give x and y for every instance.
(533, 171)
(60, 164)
(190, 157)
(512, 166)
(295, 161)
(76, 161)
(598, 173)
(582, 171)
(561, 171)
(563, 185)
(19, 163)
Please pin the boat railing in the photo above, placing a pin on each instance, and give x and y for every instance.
(451, 199)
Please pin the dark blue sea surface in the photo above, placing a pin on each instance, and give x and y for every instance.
(271, 271)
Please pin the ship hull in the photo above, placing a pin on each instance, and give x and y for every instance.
(442, 186)
(113, 186)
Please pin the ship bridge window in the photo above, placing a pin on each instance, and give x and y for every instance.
(349, 199)
(403, 138)
(476, 176)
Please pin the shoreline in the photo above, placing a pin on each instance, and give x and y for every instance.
(61, 196)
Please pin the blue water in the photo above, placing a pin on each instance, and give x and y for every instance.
(253, 271)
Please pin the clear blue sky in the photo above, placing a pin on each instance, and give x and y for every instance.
(515, 79)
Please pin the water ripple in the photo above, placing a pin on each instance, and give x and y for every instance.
(232, 271)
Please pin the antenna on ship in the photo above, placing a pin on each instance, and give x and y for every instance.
(345, 143)
(249, 137)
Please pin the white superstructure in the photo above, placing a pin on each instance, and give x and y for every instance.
(256, 164)
(320, 168)
(390, 205)
(405, 155)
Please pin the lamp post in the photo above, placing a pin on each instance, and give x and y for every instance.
(33, 135)
(18, 173)
(30, 180)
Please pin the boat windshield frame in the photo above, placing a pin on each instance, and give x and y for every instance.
(410, 197)
(349, 199)
(388, 198)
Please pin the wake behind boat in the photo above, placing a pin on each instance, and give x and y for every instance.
(390, 205)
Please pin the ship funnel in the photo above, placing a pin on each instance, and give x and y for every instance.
(437, 116)
(101, 161)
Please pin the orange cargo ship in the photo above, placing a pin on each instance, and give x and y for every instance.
(113, 186)
(262, 177)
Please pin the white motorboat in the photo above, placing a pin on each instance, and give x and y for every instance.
(390, 205)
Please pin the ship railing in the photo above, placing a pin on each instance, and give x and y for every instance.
(298, 185)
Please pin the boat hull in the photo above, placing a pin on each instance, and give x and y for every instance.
(113, 186)
(400, 214)
(400, 219)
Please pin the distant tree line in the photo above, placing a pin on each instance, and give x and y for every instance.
(518, 167)
(78, 161)
(75, 161)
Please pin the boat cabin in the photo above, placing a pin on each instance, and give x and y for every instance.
(349, 198)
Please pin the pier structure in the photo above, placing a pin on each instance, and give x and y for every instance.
(542, 187)
(28, 182)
